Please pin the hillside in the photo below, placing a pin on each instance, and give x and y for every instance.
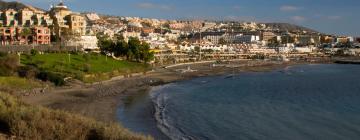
(289, 27)
(16, 6)
(23, 122)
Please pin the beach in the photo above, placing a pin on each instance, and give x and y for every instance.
(101, 100)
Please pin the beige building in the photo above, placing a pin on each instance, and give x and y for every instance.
(25, 17)
(65, 20)
(26, 26)
(266, 36)
(8, 17)
(77, 23)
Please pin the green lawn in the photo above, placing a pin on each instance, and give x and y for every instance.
(81, 64)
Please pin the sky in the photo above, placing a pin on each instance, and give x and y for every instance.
(340, 17)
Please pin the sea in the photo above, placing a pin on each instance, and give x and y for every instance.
(304, 102)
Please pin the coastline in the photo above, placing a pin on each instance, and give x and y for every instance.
(101, 100)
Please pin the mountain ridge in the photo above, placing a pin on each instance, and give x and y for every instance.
(17, 6)
(274, 25)
(289, 27)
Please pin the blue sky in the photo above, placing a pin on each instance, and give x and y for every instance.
(339, 17)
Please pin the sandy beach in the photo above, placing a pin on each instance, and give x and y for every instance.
(101, 100)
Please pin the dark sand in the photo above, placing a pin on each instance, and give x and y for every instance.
(101, 100)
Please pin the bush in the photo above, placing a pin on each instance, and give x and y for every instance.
(55, 78)
(28, 122)
(8, 64)
(87, 68)
(34, 52)
(27, 71)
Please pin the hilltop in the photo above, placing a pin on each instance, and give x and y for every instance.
(275, 26)
(289, 27)
(16, 6)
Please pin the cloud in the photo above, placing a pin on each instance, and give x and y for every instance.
(146, 5)
(298, 18)
(334, 17)
(288, 8)
(237, 7)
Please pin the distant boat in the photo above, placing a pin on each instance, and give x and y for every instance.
(187, 70)
(229, 76)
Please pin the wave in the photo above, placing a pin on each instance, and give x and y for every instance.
(160, 102)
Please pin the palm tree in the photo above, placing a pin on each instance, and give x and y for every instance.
(26, 32)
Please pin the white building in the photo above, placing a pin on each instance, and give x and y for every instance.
(303, 49)
(285, 49)
(92, 17)
(351, 39)
(187, 48)
(172, 36)
(128, 35)
(84, 43)
(220, 48)
(353, 52)
(89, 43)
(262, 50)
(246, 38)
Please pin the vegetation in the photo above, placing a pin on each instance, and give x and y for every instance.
(222, 41)
(56, 66)
(287, 39)
(273, 42)
(8, 64)
(68, 35)
(17, 83)
(133, 50)
(26, 32)
(27, 122)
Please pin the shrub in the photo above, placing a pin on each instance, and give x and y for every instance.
(55, 78)
(34, 52)
(29, 122)
(8, 64)
(27, 71)
(87, 68)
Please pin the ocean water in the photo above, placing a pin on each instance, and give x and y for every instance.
(308, 102)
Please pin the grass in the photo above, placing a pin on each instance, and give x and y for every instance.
(78, 65)
(28, 122)
(18, 83)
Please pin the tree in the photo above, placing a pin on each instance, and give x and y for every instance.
(120, 49)
(26, 32)
(105, 44)
(197, 49)
(145, 53)
(68, 35)
(274, 42)
(222, 41)
(134, 44)
(134, 50)
(287, 39)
